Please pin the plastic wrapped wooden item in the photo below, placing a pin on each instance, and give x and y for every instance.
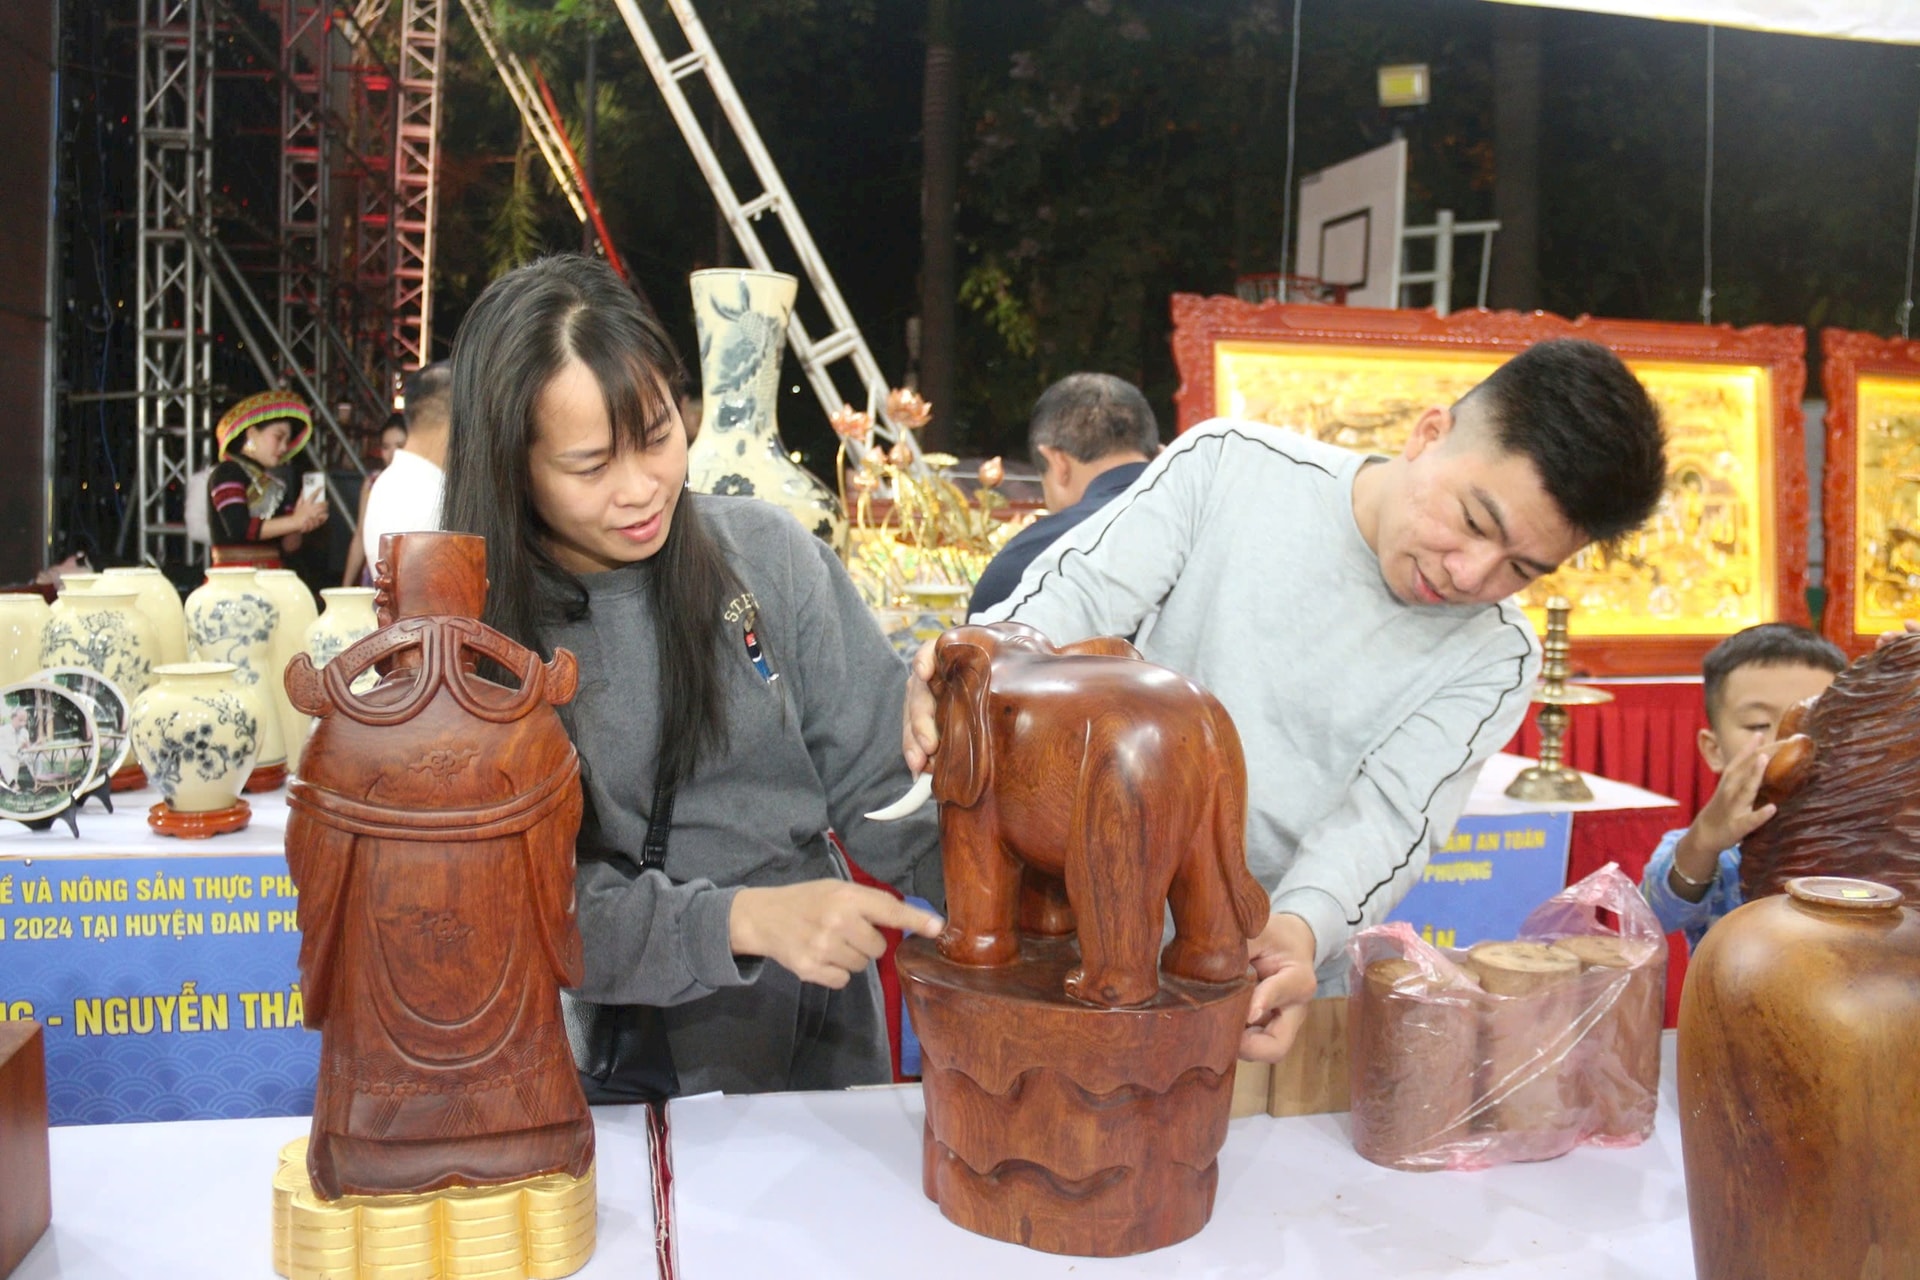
(431, 837)
(1846, 776)
(1512, 1051)
(26, 1189)
(1077, 1079)
(1798, 1111)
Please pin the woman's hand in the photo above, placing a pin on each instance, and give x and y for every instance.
(309, 514)
(823, 930)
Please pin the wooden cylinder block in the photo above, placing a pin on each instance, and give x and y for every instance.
(1531, 1076)
(26, 1189)
(1412, 1048)
(1620, 1057)
(1064, 1127)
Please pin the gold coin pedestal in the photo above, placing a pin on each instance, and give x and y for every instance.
(1552, 779)
(534, 1229)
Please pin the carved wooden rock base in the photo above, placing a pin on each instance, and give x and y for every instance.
(1063, 1127)
(535, 1229)
(169, 821)
(129, 777)
(267, 777)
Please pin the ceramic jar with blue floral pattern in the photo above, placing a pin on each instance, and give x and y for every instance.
(197, 735)
(230, 619)
(101, 629)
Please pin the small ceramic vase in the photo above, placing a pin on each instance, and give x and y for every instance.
(349, 617)
(741, 317)
(297, 612)
(229, 619)
(23, 616)
(103, 630)
(197, 733)
(161, 603)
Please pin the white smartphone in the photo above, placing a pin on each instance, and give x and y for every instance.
(313, 487)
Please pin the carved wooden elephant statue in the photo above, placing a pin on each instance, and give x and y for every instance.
(1123, 779)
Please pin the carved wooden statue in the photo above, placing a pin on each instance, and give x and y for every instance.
(1077, 1094)
(1846, 776)
(431, 837)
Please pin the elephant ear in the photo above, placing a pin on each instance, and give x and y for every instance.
(962, 765)
(1102, 647)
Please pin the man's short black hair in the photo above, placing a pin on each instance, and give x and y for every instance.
(1589, 427)
(429, 389)
(1771, 644)
(1092, 415)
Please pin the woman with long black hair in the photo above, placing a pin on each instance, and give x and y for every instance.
(734, 692)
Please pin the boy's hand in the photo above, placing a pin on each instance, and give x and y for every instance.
(1726, 820)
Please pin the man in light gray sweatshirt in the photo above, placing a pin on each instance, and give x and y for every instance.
(1352, 614)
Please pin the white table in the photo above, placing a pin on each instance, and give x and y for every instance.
(1489, 795)
(828, 1184)
(124, 833)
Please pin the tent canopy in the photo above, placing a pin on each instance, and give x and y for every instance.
(1897, 21)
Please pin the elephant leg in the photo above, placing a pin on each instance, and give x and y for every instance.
(1044, 909)
(1206, 946)
(983, 881)
(1118, 896)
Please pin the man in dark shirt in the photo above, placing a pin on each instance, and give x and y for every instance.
(1090, 436)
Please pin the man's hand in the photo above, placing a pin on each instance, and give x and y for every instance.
(823, 930)
(1909, 627)
(919, 735)
(1282, 958)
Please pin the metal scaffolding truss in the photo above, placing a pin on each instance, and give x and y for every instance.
(173, 362)
(417, 115)
(306, 64)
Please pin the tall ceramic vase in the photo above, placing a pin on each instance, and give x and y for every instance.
(349, 617)
(229, 619)
(103, 630)
(23, 616)
(297, 612)
(161, 603)
(197, 733)
(741, 317)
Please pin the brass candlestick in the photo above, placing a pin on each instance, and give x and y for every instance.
(1551, 779)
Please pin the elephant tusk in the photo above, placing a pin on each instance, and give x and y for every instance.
(917, 795)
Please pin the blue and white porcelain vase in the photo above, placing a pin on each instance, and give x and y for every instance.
(230, 619)
(196, 735)
(741, 317)
(297, 611)
(102, 629)
(23, 616)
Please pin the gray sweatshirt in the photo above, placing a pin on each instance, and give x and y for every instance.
(817, 747)
(1364, 720)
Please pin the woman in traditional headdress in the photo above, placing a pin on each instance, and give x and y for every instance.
(253, 513)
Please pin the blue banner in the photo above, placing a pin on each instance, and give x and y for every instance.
(1490, 874)
(168, 987)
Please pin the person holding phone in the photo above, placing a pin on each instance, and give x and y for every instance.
(253, 513)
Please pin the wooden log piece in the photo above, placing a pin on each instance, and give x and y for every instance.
(1529, 1080)
(26, 1189)
(1067, 1128)
(1312, 1079)
(1620, 1056)
(1412, 1049)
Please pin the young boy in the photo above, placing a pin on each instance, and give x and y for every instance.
(1751, 678)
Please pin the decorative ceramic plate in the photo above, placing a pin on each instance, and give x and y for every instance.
(111, 712)
(48, 750)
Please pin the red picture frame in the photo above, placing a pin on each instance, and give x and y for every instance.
(1847, 356)
(1201, 323)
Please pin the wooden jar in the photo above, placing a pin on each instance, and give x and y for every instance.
(1799, 1030)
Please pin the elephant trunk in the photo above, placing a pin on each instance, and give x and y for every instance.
(912, 802)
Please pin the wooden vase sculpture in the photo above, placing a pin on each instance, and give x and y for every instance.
(1798, 1108)
(431, 837)
(1077, 1079)
(1846, 776)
